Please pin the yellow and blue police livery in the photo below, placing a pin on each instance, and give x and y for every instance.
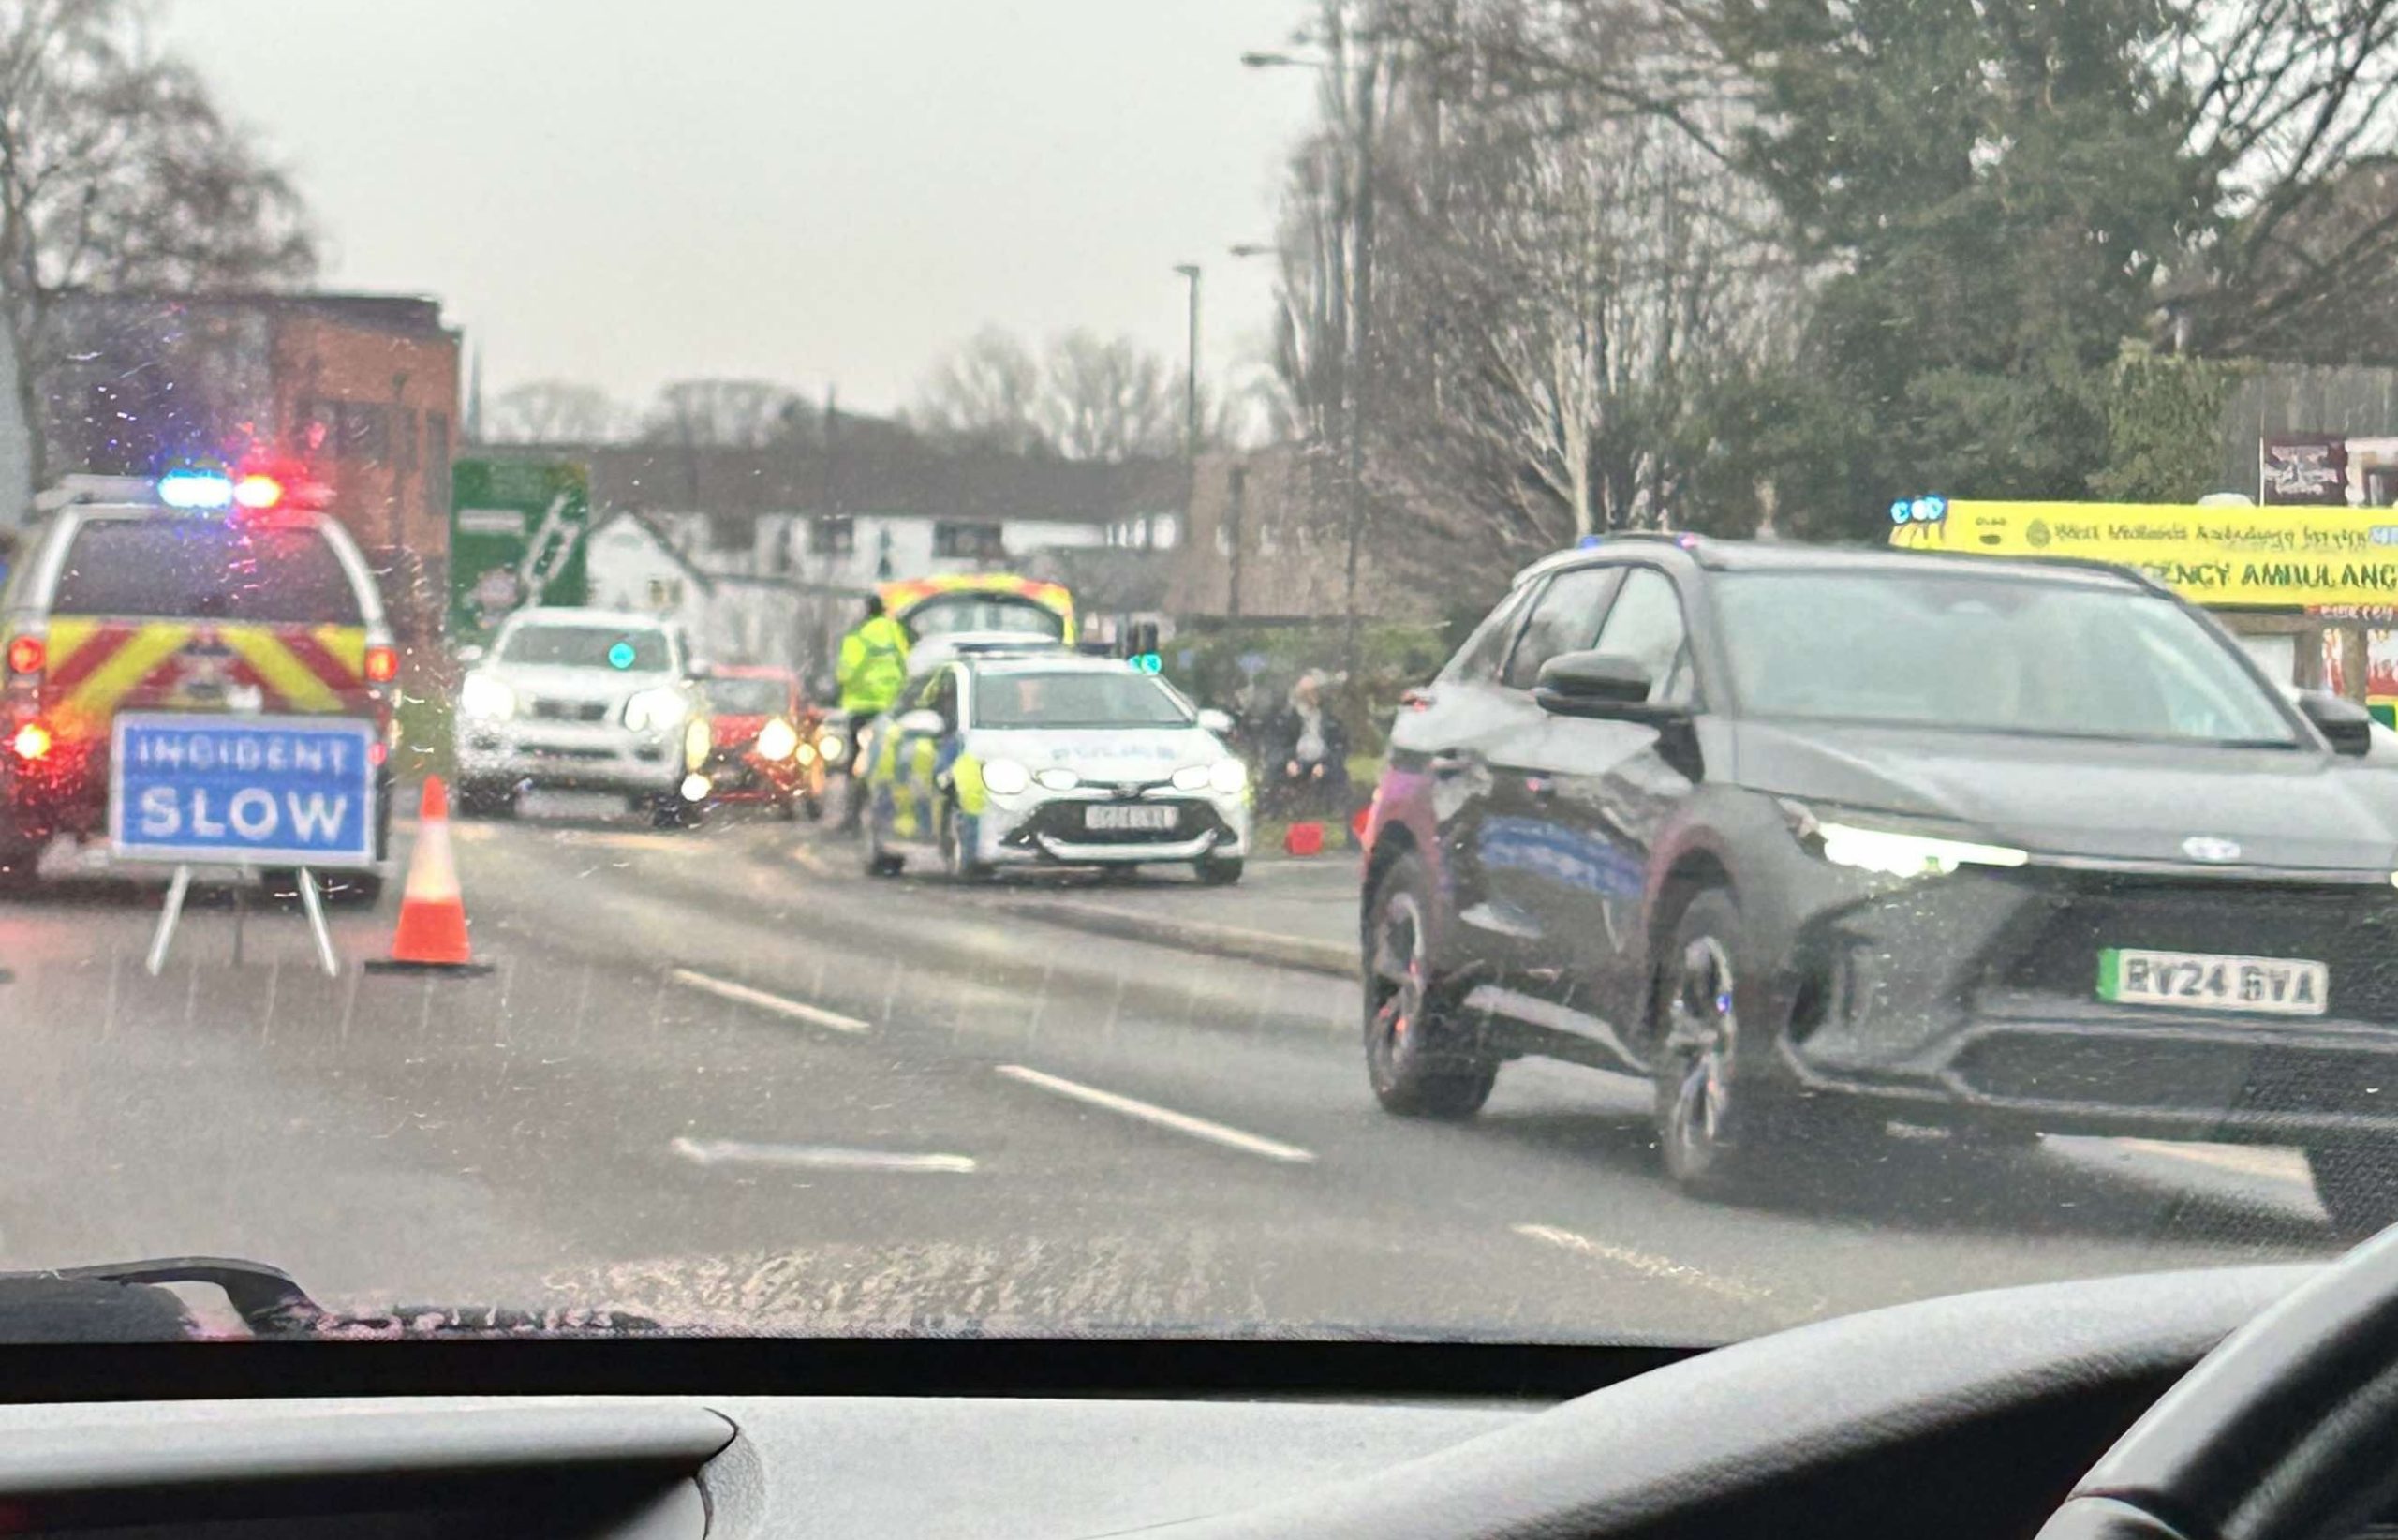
(1051, 758)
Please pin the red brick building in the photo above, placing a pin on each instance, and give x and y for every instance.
(363, 390)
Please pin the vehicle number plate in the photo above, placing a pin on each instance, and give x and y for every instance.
(1114, 818)
(2203, 981)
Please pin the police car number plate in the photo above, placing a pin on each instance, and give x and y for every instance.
(2205, 980)
(1115, 818)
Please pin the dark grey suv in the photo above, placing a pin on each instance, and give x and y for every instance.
(1817, 838)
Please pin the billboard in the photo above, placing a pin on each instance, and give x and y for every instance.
(517, 537)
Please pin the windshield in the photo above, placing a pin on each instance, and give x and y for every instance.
(1622, 768)
(1988, 653)
(964, 614)
(589, 647)
(1075, 700)
(748, 697)
(204, 568)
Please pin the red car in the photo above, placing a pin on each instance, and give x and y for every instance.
(766, 747)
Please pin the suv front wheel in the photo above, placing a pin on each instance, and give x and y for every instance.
(1422, 1060)
(1723, 1128)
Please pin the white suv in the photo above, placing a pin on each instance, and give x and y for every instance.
(589, 700)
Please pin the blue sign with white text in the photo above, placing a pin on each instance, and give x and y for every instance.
(242, 790)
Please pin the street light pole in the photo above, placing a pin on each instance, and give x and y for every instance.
(1191, 368)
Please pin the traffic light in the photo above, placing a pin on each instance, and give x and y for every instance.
(1141, 647)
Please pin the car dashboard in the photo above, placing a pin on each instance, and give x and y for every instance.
(1965, 1416)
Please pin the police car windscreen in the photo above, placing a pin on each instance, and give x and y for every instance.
(587, 648)
(1075, 700)
(205, 569)
(1987, 653)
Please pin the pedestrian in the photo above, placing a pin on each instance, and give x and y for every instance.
(873, 664)
(1307, 754)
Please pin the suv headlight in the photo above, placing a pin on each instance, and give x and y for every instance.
(1894, 852)
(777, 740)
(1005, 777)
(656, 710)
(487, 698)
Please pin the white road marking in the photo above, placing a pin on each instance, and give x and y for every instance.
(815, 1015)
(2286, 1166)
(1149, 1112)
(813, 1157)
(810, 862)
(1647, 1264)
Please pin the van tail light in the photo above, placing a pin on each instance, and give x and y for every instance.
(26, 655)
(382, 664)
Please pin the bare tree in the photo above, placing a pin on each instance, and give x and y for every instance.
(118, 172)
(987, 393)
(1106, 400)
(725, 414)
(554, 411)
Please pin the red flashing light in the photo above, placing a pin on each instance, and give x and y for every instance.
(32, 742)
(26, 654)
(382, 664)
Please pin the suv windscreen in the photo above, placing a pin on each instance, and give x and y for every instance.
(589, 647)
(205, 570)
(1074, 700)
(1987, 653)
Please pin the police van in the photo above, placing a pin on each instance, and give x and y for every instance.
(200, 592)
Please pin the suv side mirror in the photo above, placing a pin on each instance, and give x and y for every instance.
(1217, 722)
(471, 654)
(921, 722)
(2348, 725)
(1598, 684)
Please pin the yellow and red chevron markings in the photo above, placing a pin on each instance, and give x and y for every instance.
(96, 667)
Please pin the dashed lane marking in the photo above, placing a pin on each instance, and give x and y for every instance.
(1647, 1264)
(1167, 1117)
(815, 1015)
(815, 1157)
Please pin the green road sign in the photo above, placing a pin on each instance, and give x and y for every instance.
(517, 537)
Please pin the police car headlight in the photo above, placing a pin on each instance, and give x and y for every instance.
(777, 740)
(1229, 777)
(1059, 778)
(487, 698)
(656, 710)
(1006, 778)
(1190, 777)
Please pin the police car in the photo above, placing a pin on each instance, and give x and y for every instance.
(1047, 757)
(202, 592)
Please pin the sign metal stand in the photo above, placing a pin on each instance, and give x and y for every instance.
(180, 888)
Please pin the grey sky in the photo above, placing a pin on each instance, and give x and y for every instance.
(626, 192)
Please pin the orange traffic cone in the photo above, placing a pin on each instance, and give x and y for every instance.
(431, 935)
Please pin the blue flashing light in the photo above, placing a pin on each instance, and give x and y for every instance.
(1148, 662)
(1587, 541)
(1901, 511)
(196, 490)
(621, 656)
(1932, 508)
